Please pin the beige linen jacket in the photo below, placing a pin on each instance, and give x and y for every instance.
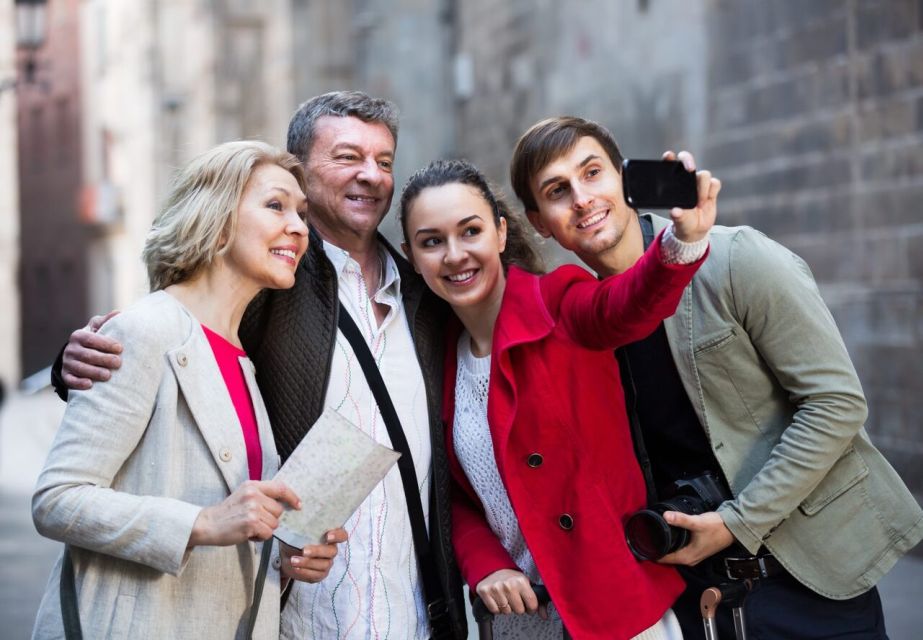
(769, 377)
(134, 461)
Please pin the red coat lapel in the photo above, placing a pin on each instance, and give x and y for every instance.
(523, 318)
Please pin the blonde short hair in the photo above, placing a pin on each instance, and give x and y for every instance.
(199, 218)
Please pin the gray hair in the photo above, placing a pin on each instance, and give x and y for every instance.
(342, 104)
(199, 219)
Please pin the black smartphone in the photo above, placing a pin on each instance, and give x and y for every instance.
(658, 184)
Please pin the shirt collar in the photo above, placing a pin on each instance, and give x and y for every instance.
(340, 258)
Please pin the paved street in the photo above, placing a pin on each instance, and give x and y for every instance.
(27, 424)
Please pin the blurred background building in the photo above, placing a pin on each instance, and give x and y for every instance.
(164, 80)
(53, 242)
(810, 113)
(10, 365)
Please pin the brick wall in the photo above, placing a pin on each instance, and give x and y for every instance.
(816, 125)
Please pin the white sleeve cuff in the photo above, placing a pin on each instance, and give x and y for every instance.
(676, 251)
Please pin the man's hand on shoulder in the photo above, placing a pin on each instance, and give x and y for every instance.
(691, 225)
(709, 535)
(90, 357)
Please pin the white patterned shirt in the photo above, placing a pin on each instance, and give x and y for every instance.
(373, 591)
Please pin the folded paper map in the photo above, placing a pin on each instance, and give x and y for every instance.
(332, 470)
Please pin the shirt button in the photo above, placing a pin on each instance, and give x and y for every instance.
(566, 521)
(182, 359)
(225, 454)
(535, 460)
(276, 561)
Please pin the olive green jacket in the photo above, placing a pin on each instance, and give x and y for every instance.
(769, 377)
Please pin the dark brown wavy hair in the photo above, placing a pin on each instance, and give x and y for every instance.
(520, 251)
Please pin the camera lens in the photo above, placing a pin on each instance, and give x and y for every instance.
(649, 536)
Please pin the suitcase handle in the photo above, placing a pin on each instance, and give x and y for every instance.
(485, 618)
(733, 595)
(483, 614)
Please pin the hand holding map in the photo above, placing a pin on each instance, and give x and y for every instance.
(332, 470)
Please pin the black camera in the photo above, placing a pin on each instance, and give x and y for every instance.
(649, 535)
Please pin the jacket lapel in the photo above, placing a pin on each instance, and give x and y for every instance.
(523, 319)
(210, 404)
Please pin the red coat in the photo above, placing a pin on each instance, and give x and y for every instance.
(555, 391)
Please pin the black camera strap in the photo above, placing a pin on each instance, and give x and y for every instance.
(436, 606)
(631, 393)
(637, 437)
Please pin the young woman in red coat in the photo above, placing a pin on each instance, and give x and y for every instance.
(539, 445)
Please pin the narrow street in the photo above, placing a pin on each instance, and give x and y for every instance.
(27, 426)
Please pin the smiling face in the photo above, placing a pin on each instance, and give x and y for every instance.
(454, 243)
(580, 202)
(350, 180)
(271, 234)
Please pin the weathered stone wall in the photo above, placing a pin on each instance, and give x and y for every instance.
(815, 123)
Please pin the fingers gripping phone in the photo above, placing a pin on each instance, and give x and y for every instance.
(658, 184)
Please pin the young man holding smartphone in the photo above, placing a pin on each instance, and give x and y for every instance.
(749, 381)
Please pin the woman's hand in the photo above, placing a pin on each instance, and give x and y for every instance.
(313, 563)
(691, 225)
(507, 591)
(250, 513)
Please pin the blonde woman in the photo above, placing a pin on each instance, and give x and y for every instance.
(156, 479)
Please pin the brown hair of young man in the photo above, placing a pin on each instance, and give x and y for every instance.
(545, 142)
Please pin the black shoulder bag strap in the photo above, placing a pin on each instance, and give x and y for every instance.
(631, 393)
(70, 614)
(436, 606)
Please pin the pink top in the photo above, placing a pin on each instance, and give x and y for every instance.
(228, 356)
